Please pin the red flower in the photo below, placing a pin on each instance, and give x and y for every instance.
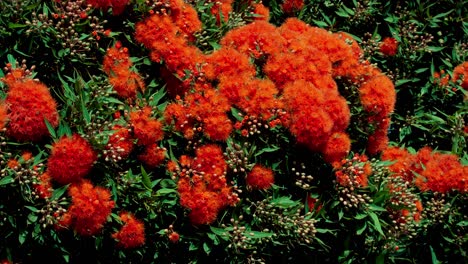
(72, 159)
(256, 39)
(120, 144)
(460, 73)
(337, 147)
(89, 208)
(174, 237)
(44, 186)
(146, 129)
(29, 102)
(389, 46)
(3, 115)
(261, 12)
(290, 6)
(378, 95)
(132, 233)
(260, 178)
(117, 66)
(118, 6)
(202, 184)
(153, 156)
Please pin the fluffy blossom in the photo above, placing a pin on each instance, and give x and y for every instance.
(260, 178)
(337, 147)
(29, 102)
(120, 144)
(117, 66)
(460, 73)
(44, 187)
(202, 184)
(146, 129)
(118, 6)
(71, 159)
(3, 115)
(153, 156)
(389, 46)
(132, 233)
(290, 6)
(89, 209)
(428, 170)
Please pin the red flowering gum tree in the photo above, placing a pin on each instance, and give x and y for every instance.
(28, 104)
(72, 158)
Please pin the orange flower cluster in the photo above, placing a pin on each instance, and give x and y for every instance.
(148, 131)
(201, 112)
(428, 170)
(460, 73)
(221, 9)
(117, 66)
(315, 115)
(44, 186)
(71, 159)
(389, 46)
(353, 172)
(3, 115)
(89, 209)
(132, 233)
(260, 178)
(118, 6)
(28, 103)
(202, 184)
(261, 12)
(290, 6)
(378, 98)
(167, 35)
(300, 64)
(120, 144)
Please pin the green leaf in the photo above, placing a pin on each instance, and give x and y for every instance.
(269, 149)
(283, 202)
(86, 115)
(193, 247)
(145, 178)
(340, 214)
(33, 209)
(434, 49)
(374, 207)
(164, 191)
(257, 234)
(6, 180)
(50, 128)
(206, 248)
(59, 192)
(214, 238)
(15, 25)
(320, 23)
(32, 218)
(433, 256)
(235, 113)
(376, 221)
(22, 236)
(221, 232)
(361, 229)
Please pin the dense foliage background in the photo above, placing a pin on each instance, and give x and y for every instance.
(233, 131)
